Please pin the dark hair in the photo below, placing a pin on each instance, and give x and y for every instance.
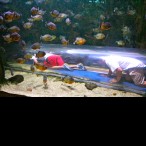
(40, 52)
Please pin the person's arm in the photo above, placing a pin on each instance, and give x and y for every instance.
(109, 73)
(118, 75)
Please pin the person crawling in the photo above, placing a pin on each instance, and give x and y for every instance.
(133, 68)
(55, 61)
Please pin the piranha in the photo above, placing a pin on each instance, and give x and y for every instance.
(68, 21)
(63, 40)
(120, 43)
(105, 26)
(37, 18)
(14, 29)
(7, 38)
(34, 11)
(40, 66)
(99, 36)
(8, 16)
(20, 60)
(15, 37)
(36, 46)
(68, 79)
(47, 37)
(1, 20)
(27, 25)
(54, 13)
(79, 41)
(22, 44)
(51, 26)
(28, 56)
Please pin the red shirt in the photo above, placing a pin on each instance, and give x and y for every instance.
(54, 60)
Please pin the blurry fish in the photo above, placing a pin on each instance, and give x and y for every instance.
(34, 11)
(131, 12)
(68, 21)
(96, 30)
(79, 41)
(29, 2)
(126, 30)
(37, 18)
(32, 68)
(16, 16)
(62, 15)
(78, 16)
(58, 19)
(120, 43)
(28, 56)
(40, 66)
(7, 38)
(102, 17)
(41, 12)
(47, 37)
(1, 20)
(99, 36)
(105, 26)
(63, 40)
(20, 60)
(40, 54)
(36, 46)
(27, 25)
(15, 37)
(22, 44)
(54, 13)
(51, 26)
(14, 29)
(68, 79)
(8, 16)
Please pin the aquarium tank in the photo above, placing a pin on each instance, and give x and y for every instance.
(78, 30)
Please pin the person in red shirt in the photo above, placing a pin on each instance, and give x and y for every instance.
(55, 61)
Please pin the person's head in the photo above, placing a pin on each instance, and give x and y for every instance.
(40, 54)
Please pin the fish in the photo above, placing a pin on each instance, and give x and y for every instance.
(120, 43)
(131, 12)
(8, 16)
(20, 60)
(37, 18)
(63, 40)
(41, 12)
(27, 25)
(40, 54)
(68, 21)
(62, 15)
(99, 36)
(29, 2)
(68, 79)
(79, 41)
(27, 56)
(125, 30)
(14, 29)
(15, 37)
(16, 16)
(47, 37)
(105, 26)
(40, 66)
(51, 26)
(7, 38)
(54, 13)
(34, 11)
(102, 17)
(36, 46)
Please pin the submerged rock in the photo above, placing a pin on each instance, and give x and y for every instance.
(90, 86)
(16, 79)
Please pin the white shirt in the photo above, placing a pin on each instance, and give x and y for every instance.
(114, 62)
